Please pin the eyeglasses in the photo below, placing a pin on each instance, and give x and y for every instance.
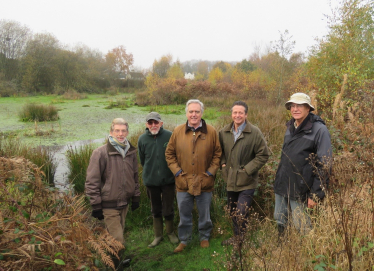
(155, 122)
(296, 105)
(120, 131)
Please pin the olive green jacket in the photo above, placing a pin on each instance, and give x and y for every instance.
(243, 158)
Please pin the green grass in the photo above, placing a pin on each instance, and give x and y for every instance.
(162, 257)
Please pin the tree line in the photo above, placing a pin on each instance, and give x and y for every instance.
(39, 63)
(276, 72)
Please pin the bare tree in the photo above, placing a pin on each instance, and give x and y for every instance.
(284, 46)
(13, 40)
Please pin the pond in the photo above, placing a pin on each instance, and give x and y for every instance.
(81, 122)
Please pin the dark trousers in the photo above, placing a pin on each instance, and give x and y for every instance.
(239, 202)
(162, 200)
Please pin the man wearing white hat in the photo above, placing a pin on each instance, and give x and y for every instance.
(297, 184)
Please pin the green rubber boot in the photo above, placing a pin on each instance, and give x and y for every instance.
(170, 231)
(158, 229)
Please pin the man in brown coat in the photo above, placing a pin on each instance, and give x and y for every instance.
(112, 180)
(193, 155)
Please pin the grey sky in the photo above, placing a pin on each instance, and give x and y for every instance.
(206, 30)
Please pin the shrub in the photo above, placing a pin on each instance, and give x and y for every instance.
(41, 156)
(38, 112)
(118, 103)
(74, 95)
(8, 88)
(44, 229)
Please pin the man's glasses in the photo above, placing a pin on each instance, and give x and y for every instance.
(150, 122)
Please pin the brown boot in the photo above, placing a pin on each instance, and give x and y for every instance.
(170, 231)
(158, 229)
(204, 243)
(180, 248)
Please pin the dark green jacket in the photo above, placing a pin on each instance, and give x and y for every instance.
(152, 157)
(249, 152)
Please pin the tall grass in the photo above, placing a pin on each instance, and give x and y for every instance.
(38, 112)
(78, 160)
(41, 156)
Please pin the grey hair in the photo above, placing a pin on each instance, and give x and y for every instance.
(195, 101)
(119, 121)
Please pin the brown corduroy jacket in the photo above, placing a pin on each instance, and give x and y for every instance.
(195, 153)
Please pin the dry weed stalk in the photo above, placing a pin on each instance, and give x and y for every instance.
(339, 97)
(42, 228)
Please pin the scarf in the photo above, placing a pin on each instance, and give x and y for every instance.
(122, 148)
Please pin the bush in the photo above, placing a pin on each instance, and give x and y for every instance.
(74, 95)
(41, 156)
(45, 229)
(8, 88)
(38, 112)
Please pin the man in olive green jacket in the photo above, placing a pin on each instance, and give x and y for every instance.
(244, 152)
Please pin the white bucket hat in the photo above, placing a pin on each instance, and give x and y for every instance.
(299, 98)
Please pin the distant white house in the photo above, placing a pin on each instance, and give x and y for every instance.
(188, 75)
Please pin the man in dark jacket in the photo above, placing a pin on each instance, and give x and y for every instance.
(305, 164)
(244, 152)
(112, 180)
(157, 177)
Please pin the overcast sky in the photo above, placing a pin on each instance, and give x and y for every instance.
(202, 30)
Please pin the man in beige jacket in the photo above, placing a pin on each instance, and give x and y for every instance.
(193, 155)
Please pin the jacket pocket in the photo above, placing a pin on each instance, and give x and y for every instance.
(207, 181)
(181, 182)
(242, 178)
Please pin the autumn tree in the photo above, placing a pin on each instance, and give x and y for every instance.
(223, 66)
(348, 48)
(202, 72)
(118, 61)
(175, 71)
(215, 75)
(245, 66)
(161, 66)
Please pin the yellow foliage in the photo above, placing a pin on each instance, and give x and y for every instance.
(151, 82)
(216, 75)
(175, 72)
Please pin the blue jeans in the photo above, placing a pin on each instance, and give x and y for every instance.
(286, 208)
(185, 206)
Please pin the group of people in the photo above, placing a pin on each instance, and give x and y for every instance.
(184, 163)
